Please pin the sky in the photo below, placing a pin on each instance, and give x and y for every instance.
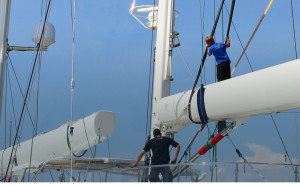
(112, 54)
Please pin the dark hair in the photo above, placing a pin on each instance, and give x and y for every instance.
(156, 132)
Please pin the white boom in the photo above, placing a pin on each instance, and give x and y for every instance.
(266, 91)
(87, 132)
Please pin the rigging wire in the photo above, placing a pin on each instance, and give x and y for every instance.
(254, 32)
(150, 90)
(69, 144)
(286, 152)
(69, 127)
(87, 138)
(150, 83)
(238, 36)
(5, 107)
(36, 115)
(252, 71)
(93, 154)
(202, 34)
(296, 53)
(242, 157)
(252, 68)
(72, 86)
(34, 126)
(215, 66)
(297, 145)
(189, 146)
(51, 175)
(28, 87)
(294, 32)
(185, 63)
(19, 85)
(12, 100)
(201, 66)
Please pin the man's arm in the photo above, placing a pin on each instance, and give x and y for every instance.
(138, 159)
(176, 154)
(207, 48)
(227, 42)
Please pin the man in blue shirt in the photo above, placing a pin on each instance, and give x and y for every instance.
(223, 64)
(160, 149)
(219, 51)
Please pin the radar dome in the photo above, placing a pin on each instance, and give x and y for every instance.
(49, 34)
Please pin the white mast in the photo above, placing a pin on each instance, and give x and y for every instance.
(162, 64)
(4, 25)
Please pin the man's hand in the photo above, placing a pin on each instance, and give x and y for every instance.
(227, 41)
(133, 165)
(138, 159)
(173, 161)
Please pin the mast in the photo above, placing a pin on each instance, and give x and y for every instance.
(163, 58)
(4, 25)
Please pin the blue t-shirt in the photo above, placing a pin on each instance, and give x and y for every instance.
(219, 51)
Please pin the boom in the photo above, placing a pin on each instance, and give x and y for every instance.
(266, 91)
(87, 132)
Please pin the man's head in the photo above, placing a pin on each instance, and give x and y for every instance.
(209, 40)
(156, 132)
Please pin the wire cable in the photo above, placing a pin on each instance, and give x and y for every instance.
(16, 77)
(254, 32)
(185, 63)
(5, 108)
(294, 32)
(36, 116)
(72, 80)
(202, 24)
(202, 64)
(245, 160)
(237, 34)
(28, 87)
(296, 53)
(150, 85)
(150, 90)
(286, 152)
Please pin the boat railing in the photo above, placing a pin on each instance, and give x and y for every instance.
(201, 172)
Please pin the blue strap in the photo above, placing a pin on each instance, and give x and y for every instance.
(200, 105)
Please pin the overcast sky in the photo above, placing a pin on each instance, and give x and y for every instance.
(112, 54)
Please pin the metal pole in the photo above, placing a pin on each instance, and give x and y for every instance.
(296, 174)
(4, 26)
(236, 172)
(178, 175)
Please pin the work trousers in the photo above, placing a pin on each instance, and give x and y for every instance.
(165, 172)
(223, 71)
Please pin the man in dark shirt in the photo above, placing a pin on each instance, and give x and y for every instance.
(160, 149)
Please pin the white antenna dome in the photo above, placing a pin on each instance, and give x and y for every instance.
(49, 34)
